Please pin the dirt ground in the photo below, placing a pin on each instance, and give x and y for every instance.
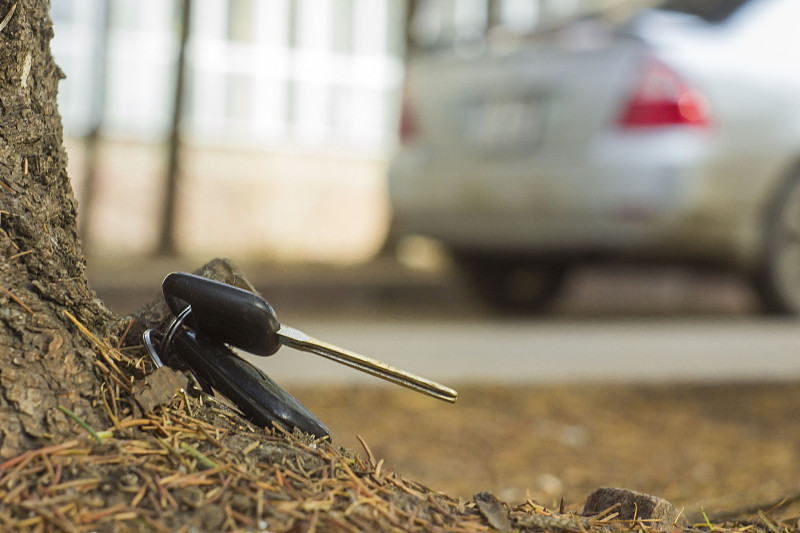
(719, 447)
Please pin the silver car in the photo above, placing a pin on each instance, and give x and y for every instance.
(671, 137)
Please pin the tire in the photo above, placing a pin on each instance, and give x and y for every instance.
(514, 287)
(778, 281)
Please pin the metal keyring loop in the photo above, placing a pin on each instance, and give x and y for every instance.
(172, 329)
(147, 337)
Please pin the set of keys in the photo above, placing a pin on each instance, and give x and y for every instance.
(212, 317)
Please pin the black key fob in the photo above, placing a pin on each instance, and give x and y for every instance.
(261, 399)
(223, 312)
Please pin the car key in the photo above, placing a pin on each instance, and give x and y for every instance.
(215, 366)
(246, 321)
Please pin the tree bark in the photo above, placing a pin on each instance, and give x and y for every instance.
(45, 362)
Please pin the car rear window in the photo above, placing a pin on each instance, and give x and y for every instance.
(709, 10)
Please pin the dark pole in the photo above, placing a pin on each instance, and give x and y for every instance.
(166, 243)
(92, 139)
(494, 15)
(411, 11)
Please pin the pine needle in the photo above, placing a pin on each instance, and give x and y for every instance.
(8, 17)
(197, 455)
(81, 422)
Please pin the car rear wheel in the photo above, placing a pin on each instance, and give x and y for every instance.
(513, 286)
(778, 282)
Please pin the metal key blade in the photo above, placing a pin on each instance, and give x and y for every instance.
(294, 338)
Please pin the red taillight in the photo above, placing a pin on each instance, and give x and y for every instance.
(662, 99)
(408, 123)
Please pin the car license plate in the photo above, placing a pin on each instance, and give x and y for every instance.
(504, 123)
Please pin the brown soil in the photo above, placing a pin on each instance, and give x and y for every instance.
(171, 462)
(190, 464)
(722, 447)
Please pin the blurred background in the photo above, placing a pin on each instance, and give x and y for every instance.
(328, 133)
(325, 146)
(289, 114)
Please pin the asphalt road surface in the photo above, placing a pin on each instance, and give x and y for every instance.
(548, 351)
(612, 325)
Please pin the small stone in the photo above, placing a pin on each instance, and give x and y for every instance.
(659, 513)
(493, 510)
(158, 388)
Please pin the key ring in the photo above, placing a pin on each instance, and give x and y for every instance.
(173, 327)
(165, 345)
(147, 337)
(166, 339)
(186, 346)
(225, 318)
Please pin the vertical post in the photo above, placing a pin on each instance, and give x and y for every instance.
(411, 11)
(91, 141)
(166, 243)
(494, 17)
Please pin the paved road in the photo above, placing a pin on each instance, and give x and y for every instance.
(530, 351)
(611, 325)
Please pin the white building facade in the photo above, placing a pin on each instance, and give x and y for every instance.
(259, 71)
(290, 115)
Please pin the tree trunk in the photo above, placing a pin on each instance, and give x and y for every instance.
(45, 362)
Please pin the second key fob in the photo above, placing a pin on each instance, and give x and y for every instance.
(261, 399)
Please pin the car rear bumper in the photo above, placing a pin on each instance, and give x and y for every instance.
(646, 197)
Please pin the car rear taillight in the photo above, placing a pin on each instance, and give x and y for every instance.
(662, 98)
